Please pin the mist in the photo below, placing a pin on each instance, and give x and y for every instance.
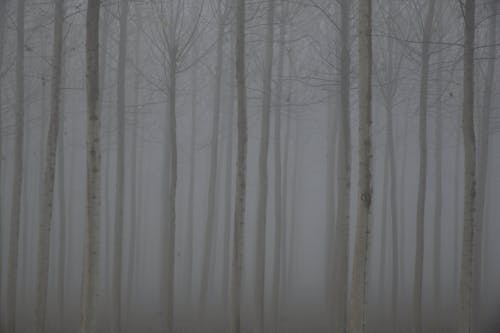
(268, 166)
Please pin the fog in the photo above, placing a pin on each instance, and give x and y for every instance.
(249, 166)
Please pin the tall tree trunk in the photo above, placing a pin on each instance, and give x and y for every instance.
(423, 105)
(240, 195)
(263, 169)
(91, 248)
(18, 175)
(3, 10)
(341, 243)
(208, 260)
(357, 323)
(483, 162)
(438, 210)
(120, 171)
(62, 256)
(278, 212)
(383, 244)
(467, 272)
(134, 217)
(46, 209)
(190, 199)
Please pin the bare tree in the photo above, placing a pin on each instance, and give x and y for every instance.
(422, 134)
(18, 175)
(470, 239)
(240, 194)
(91, 247)
(46, 208)
(357, 322)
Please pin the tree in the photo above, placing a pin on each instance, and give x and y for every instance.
(120, 171)
(46, 208)
(93, 202)
(467, 272)
(240, 194)
(422, 134)
(3, 13)
(357, 322)
(214, 148)
(263, 169)
(18, 175)
(341, 243)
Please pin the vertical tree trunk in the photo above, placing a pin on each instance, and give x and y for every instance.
(483, 162)
(278, 212)
(91, 249)
(341, 243)
(423, 105)
(3, 9)
(18, 175)
(263, 169)
(239, 204)
(358, 301)
(120, 171)
(383, 244)
(207, 261)
(467, 273)
(190, 199)
(46, 209)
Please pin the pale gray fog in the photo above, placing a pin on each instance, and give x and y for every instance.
(249, 166)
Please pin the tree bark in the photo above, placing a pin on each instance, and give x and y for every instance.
(18, 175)
(423, 106)
(467, 272)
(46, 209)
(358, 301)
(91, 249)
(240, 195)
(120, 171)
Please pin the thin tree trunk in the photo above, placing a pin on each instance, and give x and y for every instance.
(278, 213)
(423, 106)
(358, 301)
(240, 195)
(341, 253)
(483, 162)
(18, 175)
(208, 260)
(46, 209)
(3, 10)
(383, 243)
(263, 170)
(120, 172)
(467, 273)
(91, 249)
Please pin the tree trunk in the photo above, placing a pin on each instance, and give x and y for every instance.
(208, 260)
(46, 209)
(278, 212)
(263, 170)
(239, 204)
(341, 252)
(120, 171)
(483, 162)
(357, 323)
(423, 105)
(18, 175)
(91, 249)
(3, 10)
(467, 273)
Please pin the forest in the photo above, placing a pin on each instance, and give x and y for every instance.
(249, 166)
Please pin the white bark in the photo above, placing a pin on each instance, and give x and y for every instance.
(358, 298)
(467, 273)
(18, 175)
(91, 247)
(46, 209)
(120, 172)
(240, 194)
